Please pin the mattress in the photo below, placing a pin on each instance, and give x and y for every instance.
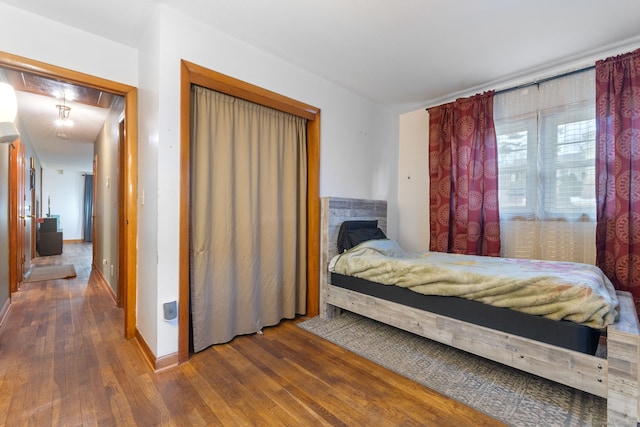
(559, 333)
(557, 290)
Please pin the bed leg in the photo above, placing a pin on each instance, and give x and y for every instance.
(328, 311)
(623, 357)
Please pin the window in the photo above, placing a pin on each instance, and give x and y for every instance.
(516, 180)
(546, 163)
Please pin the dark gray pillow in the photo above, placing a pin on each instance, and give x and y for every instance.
(357, 231)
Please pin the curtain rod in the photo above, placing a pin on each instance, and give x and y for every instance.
(537, 82)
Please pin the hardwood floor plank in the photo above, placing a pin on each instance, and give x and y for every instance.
(222, 412)
(274, 368)
(375, 396)
(196, 410)
(66, 370)
(341, 399)
(64, 362)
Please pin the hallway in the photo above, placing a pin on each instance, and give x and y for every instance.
(62, 354)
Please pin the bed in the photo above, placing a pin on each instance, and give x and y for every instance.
(570, 361)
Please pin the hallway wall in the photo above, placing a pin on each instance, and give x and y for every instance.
(106, 183)
(65, 190)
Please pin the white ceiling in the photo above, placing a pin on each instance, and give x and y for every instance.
(406, 54)
(72, 150)
(403, 54)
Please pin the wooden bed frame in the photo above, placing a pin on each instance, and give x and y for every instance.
(615, 378)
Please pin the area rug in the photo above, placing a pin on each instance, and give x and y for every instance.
(41, 273)
(509, 395)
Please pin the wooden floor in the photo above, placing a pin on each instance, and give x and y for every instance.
(64, 362)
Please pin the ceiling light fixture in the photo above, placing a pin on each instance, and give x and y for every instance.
(63, 113)
(8, 111)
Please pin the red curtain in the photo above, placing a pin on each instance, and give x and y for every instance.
(463, 176)
(618, 170)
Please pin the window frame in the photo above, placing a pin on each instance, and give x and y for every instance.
(548, 180)
(542, 161)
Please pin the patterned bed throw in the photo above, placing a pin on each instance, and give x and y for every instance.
(580, 293)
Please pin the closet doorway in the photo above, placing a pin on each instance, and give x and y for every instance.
(192, 74)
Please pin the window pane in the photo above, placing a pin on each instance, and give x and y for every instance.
(513, 151)
(577, 140)
(574, 164)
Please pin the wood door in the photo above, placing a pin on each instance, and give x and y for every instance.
(34, 210)
(28, 213)
(17, 220)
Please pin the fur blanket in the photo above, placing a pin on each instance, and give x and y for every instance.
(580, 293)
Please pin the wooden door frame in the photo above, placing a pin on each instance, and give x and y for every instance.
(129, 175)
(16, 215)
(194, 74)
(94, 207)
(34, 213)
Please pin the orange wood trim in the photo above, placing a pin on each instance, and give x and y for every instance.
(73, 241)
(20, 63)
(130, 175)
(166, 362)
(146, 351)
(157, 364)
(185, 203)
(102, 281)
(34, 214)
(313, 216)
(130, 244)
(22, 222)
(4, 313)
(94, 235)
(195, 74)
(222, 83)
(17, 221)
(13, 215)
(130, 186)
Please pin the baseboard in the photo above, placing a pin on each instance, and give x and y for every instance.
(105, 284)
(73, 241)
(157, 364)
(5, 311)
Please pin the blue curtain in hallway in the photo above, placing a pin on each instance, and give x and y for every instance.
(87, 218)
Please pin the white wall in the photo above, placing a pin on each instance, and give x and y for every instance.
(106, 198)
(26, 34)
(31, 36)
(65, 190)
(358, 144)
(148, 129)
(359, 139)
(413, 181)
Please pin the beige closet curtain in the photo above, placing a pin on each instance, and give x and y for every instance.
(248, 217)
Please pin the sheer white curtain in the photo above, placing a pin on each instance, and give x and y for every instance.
(546, 161)
(248, 217)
